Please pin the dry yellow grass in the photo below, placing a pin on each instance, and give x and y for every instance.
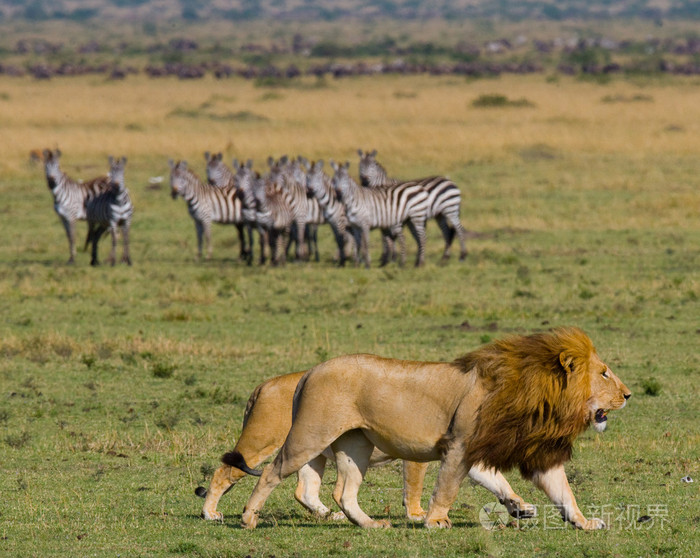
(427, 121)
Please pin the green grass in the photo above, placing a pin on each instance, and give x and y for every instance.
(121, 387)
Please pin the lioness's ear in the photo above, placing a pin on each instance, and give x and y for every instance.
(567, 362)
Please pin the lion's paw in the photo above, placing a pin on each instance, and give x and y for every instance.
(593, 524)
(379, 524)
(439, 523)
(416, 516)
(337, 516)
(212, 515)
(249, 520)
(520, 509)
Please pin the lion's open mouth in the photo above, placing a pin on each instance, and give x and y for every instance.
(601, 415)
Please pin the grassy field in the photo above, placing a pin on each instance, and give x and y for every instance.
(121, 387)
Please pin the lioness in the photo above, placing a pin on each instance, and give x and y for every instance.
(266, 423)
(520, 401)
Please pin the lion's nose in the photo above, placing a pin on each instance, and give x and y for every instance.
(627, 395)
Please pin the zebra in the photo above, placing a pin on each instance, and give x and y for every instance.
(318, 184)
(268, 206)
(219, 175)
(70, 196)
(385, 208)
(110, 210)
(206, 204)
(444, 199)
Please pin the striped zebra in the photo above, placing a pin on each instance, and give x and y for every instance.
(384, 208)
(269, 207)
(444, 199)
(289, 177)
(110, 210)
(219, 175)
(206, 204)
(70, 196)
(318, 184)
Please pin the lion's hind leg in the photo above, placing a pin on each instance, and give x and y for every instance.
(352, 452)
(309, 486)
(223, 480)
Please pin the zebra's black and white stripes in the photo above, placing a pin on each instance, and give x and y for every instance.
(444, 199)
(70, 196)
(386, 208)
(206, 204)
(110, 210)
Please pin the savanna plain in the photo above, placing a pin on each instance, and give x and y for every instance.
(120, 387)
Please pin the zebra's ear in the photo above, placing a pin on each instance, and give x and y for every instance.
(333, 165)
(249, 163)
(219, 156)
(374, 153)
(171, 163)
(57, 153)
(110, 159)
(235, 164)
(359, 152)
(183, 164)
(206, 156)
(123, 160)
(270, 161)
(319, 163)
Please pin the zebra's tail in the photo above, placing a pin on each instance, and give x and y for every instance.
(235, 459)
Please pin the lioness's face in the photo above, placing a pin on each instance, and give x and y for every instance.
(608, 393)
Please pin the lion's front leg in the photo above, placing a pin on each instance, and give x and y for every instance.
(496, 483)
(413, 476)
(556, 486)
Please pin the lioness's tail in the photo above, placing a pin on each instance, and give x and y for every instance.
(235, 459)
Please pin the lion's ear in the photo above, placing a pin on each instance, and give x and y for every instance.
(567, 362)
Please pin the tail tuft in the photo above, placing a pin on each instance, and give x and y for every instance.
(201, 491)
(235, 459)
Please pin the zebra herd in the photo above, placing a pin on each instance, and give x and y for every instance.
(284, 206)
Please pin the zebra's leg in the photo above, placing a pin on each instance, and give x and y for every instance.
(387, 248)
(199, 227)
(340, 241)
(461, 234)
(363, 243)
(249, 248)
(264, 239)
(207, 238)
(301, 253)
(417, 228)
(113, 252)
(95, 235)
(447, 234)
(397, 232)
(312, 242)
(241, 242)
(126, 255)
(69, 226)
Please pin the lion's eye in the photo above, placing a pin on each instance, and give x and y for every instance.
(605, 374)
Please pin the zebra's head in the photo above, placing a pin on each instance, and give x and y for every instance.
(51, 166)
(179, 177)
(371, 172)
(315, 179)
(116, 171)
(244, 180)
(218, 174)
(342, 182)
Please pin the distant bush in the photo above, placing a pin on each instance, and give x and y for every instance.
(496, 100)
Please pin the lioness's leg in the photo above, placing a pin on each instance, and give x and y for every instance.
(495, 482)
(450, 477)
(555, 484)
(352, 452)
(309, 486)
(413, 475)
(222, 481)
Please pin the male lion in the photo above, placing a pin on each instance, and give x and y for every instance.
(518, 401)
(266, 423)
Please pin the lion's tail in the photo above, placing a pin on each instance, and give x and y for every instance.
(235, 459)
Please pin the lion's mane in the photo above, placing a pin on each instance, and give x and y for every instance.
(537, 387)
